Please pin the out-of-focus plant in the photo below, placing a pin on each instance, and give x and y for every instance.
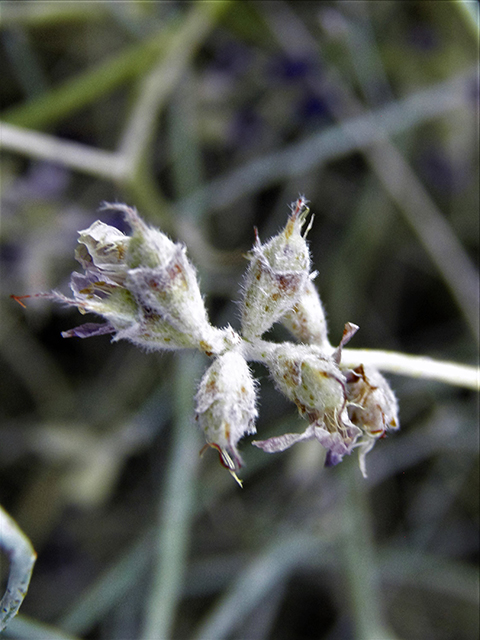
(208, 117)
(146, 289)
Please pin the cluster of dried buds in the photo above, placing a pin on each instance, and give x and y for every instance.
(146, 289)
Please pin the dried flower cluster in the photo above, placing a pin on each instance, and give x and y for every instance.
(146, 289)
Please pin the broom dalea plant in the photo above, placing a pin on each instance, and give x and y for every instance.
(147, 292)
(146, 289)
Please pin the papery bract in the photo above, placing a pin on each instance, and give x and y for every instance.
(372, 406)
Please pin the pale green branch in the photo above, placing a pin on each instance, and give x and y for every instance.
(431, 227)
(155, 89)
(470, 11)
(460, 375)
(75, 155)
(265, 573)
(89, 86)
(417, 206)
(159, 84)
(26, 628)
(362, 573)
(176, 510)
(336, 141)
(38, 14)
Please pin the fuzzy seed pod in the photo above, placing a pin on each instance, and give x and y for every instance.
(225, 406)
(317, 386)
(276, 277)
(306, 320)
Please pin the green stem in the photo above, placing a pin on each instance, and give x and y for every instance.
(470, 11)
(77, 156)
(360, 564)
(91, 85)
(39, 14)
(176, 508)
(460, 375)
(26, 628)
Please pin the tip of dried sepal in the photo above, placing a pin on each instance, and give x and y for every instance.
(130, 214)
(20, 299)
(52, 295)
(225, 406)
(225, 460)
(349, 330)
(300, 211)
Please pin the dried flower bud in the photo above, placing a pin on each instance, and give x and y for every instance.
(144, 285)
(307, 318)
(105, 248)
(372, 407)
(317, 386)
(101, 289)
(277, 276)
(225, 406)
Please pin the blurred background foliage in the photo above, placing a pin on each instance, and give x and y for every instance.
(210, 117)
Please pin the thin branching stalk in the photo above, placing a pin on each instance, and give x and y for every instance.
(176, 510)
(75, 155)
(360, 563)
(336, 141)
(461, 375)
(26, 628)
(86, 88)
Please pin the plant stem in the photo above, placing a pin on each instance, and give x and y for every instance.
(360, 561)
(87, 87)
(336, 141)
(75, 155)
(404, 364)
(461, 375)
(176, 508)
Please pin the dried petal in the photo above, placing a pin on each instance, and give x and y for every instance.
(285, 441)
(104, 247)
(372, 406)
(88, 330)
